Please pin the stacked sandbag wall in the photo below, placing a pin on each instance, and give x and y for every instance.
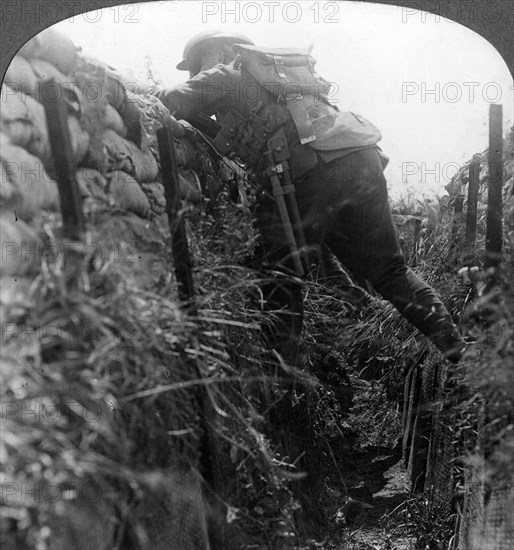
(112, 132)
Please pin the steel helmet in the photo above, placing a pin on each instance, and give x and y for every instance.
(192, 47)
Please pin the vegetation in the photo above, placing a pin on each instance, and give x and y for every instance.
(115, 400)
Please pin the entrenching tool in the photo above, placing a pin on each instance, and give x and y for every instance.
(277, 169)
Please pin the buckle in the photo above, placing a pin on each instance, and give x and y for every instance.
(274, 169)
(279, 62)
(237, 61)
(291, 98)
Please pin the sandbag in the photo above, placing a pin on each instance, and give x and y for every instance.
(45, 71)
(120, 154)
(18, 243)
(190, 190)
(23, 119)
(23, 76)
(127, 194)
(155, 193)
(154, 115)
(79, 139)
(190, 187)
(132, 116)
(131, 109)
(54, 47)
(98, 82)
(9, 195)
(34, 188)
(20, 76)
(91, 183)
(113, 121)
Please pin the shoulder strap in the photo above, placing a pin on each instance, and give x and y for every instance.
(289, 75)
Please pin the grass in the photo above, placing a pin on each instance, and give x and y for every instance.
(104, 375)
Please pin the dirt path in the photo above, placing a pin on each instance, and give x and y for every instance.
(376, 482)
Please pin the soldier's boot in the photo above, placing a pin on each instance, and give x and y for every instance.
(420, 305)
(436, 323)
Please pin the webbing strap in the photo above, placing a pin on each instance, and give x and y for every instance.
(284, 190)
(301, 119)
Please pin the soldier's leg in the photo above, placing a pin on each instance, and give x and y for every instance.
(361, 232)
(282, 298)
(335, 275)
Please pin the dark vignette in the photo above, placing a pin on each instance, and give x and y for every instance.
(14, 32)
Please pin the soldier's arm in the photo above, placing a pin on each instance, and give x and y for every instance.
(205, 93)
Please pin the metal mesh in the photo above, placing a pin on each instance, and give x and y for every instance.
(486, 523)
(485, 510)
(472, 509)
(439, 477)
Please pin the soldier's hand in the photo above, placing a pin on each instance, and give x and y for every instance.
(177, 129)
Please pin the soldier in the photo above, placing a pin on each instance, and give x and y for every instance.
(335, 164)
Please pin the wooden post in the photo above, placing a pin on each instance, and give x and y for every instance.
(457, 220)
(493, 238)
(52, 96)
(415, 246)
(179, 243)
(182, 265)
(471, 211)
